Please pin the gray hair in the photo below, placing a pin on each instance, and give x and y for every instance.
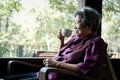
(90, 17)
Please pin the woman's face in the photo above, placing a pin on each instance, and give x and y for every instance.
(80, 30)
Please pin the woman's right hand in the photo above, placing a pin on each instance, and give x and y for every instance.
(59, 35)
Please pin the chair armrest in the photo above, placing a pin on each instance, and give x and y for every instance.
(46, 70)
(17, 67)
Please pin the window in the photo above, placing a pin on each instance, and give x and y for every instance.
(111, 26)
(28, 25)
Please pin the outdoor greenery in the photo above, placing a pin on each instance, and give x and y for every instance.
(37, 28)
(111, 24)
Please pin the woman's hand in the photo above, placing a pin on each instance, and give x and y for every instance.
(49, 62)
(60, 36)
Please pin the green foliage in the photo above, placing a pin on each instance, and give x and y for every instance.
(40, 25)
(7, 30)
(7, 6)
(111, 6)
(111, 25)
(49, 21)
(68, 6)
(43, 26)
(3, 50)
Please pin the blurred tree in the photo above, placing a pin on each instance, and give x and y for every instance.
(111, 24)
(7, 9)
(40, 25)
(57, 14)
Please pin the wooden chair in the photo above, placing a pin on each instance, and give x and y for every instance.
(46, 70)
(19, 67)
(111, 68)
(14, 66)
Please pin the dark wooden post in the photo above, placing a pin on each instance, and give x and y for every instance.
(97, 4)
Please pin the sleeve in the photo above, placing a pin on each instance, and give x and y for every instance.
(93, 58)
(65, 46)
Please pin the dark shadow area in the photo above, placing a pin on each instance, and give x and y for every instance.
(19, 68)
(38, 61)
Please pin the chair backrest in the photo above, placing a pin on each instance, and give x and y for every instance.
(111, 68)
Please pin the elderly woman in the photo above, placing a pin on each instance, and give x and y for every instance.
(85, 51)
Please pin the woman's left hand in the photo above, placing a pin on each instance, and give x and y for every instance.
(50, 63)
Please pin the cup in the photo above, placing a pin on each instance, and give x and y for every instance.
(66, 32)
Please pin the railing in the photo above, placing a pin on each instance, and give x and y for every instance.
(17, 50)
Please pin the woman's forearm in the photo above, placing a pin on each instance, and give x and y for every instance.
(67, 66)
(61, 44)
(62, 65)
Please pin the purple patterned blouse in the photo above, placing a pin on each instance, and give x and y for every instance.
(87, 53)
